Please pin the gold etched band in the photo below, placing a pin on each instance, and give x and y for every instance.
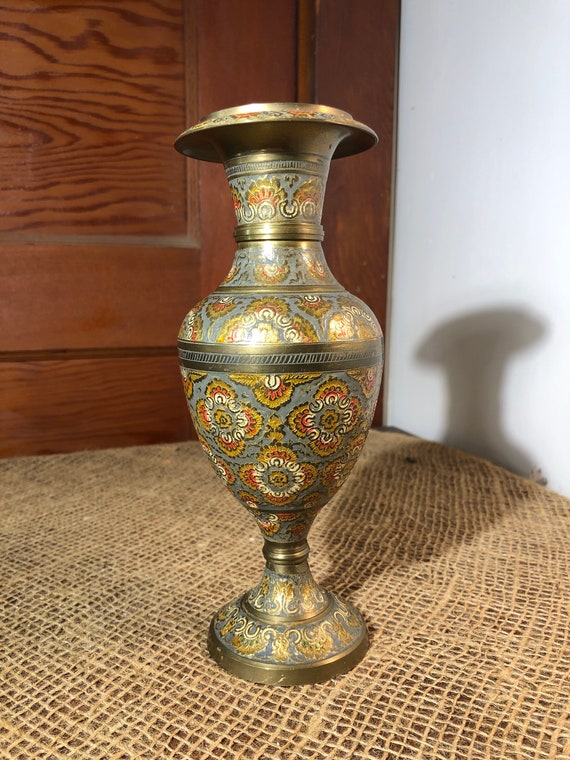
(270, 358)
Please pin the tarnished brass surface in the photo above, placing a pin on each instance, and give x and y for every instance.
(288, 630)
(281, 368)
(221, 135)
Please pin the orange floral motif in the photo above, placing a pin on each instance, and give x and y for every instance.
(193, 325)
(277, 475)
(308, 196)
(336, 472)
(236, 200)
(220, 306)
(268, 320)
(228, 421)
(219, 465)
(271, 272)
(315, 305)
(266, 194)
(326, 419)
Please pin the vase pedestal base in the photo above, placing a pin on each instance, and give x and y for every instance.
(287, 649)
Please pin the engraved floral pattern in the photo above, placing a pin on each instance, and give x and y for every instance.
(227, 421)
(265, 195)
(326, 420)
(352, 322)
(271, 390)
(268, 320)
(278, 475)
(336, 472)
(309, 197)
(308, 642)
(220, 306)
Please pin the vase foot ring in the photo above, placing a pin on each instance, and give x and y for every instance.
(324, 650)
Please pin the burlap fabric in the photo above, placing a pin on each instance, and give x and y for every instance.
(112, 563)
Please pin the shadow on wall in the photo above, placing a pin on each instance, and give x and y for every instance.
(474, 351)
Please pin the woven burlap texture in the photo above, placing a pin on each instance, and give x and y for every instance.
(113, 562)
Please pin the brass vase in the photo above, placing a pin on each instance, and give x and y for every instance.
(281, 368)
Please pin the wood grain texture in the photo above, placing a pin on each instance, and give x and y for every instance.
(98, 221)
(78, 296)
(58, 406)
(92, 95)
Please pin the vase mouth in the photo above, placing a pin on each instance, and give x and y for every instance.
(228, 132)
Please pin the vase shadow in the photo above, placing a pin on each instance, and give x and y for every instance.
(474, 350)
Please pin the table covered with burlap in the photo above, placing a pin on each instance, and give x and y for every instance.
(112, 563)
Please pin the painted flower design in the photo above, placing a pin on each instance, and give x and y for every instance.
(315, 268)
(228, 421)
(308, 195)
(367, 378)
(220, 306)
(326, 420)
(278, 475)
(315, 305)
(336, 472)
(268, 524)
(193, 326)
(236, 200)
(266, 195)
(273, 390)
(271, 272)
(268, 320)
(219, 465)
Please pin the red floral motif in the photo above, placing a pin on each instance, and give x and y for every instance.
(268, 320)
(269, 524)
(315, 305)
(273, 390)
(271, 272)
(192, 326)
(368, 379)
(336, 472)
(308, 196)
(265, 191)
(326, 419)
(277, 475)
(236, 200)
(219, 307)
(229, 422)
(219, 465)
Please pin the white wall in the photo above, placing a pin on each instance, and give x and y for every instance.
(479, 351)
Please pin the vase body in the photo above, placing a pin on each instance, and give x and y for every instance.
(281, 369)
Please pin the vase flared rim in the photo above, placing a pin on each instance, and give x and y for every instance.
(203, 140)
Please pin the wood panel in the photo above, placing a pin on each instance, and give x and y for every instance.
(99, 230)
(92, 95)
(94, 296)
(59, 405)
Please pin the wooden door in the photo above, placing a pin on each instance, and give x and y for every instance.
(105, 231)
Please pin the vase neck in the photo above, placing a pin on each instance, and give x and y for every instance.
(278, 196)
